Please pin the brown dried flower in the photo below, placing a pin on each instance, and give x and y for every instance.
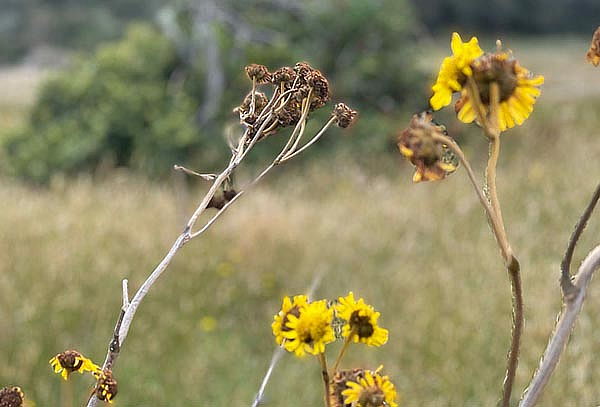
(419, 144)
(258, 72)
(320, 87)
(260, 101)
(344, 116)
(106, 388)
(338, 385)
(284, 75)
(593, 54)
(11, 397)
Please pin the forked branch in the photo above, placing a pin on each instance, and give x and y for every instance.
(573, 297)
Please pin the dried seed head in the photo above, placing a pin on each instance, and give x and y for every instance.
(283, 75)
(106, 388)
(317, 81)
(344, 116)
(217, 202)
(260, 101)
(421, 145)
(500, 68)
(229, 194)
(11, 397)
(71, 360)
(303, 69)
(258, 72)
(593, 54)
(290, 114)
(338, 385)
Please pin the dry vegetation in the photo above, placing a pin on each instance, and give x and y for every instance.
(422, 254)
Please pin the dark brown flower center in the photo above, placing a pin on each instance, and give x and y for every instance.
(371, 397)
(11, 397)
(361, 325)
(70, 360)
(495, 68)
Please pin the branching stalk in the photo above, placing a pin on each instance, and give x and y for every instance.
(566, 322)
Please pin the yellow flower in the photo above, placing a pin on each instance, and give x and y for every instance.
(71, 361)
(518, 90)
(106, 386)
(371, 390)
(361, 321)
(454, 70)
(289, 307)
(311, 330)
(420, 144)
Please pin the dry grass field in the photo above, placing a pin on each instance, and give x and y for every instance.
(422, 254)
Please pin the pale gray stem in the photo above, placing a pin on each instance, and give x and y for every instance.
(277, 354)
(316, 138)
(556, 345)
(125, 286)
(143, 290)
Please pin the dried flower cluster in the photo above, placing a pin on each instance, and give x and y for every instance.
(297, 91)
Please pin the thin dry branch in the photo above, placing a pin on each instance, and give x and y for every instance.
(263, 124)
(565, 266)
(562, 331)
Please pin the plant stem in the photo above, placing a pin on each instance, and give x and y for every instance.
(325, 375)
(342, 351)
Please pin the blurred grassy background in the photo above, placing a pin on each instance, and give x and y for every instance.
(422, 254)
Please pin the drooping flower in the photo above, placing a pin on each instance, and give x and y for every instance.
(290, 306)
(106, 386)
(593, 54)
(420, 143)
(518, 90)
(371, 390)
(361, 321)
(11, 397)
(71, 361)
(311, 330)
(454, 70)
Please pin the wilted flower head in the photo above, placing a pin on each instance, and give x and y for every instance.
(371, 390)
(338, 385)
(361, 321)
(11, 397)
(344, 116)
(283, 76)
(420, 144)
(106, 386)
(317, 81)
(454, 70)
(593, 54)
(71, 361)
(311, 330)
(518, 90)
(290, 306)
(258, 72)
